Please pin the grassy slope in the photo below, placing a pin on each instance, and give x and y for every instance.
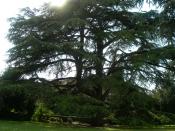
(28, 126)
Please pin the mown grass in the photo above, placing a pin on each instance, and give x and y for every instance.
(30, 126)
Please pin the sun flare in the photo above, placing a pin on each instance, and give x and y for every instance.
(59, 3)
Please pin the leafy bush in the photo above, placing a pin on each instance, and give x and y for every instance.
(75, 105)
(41, 110)
(18, 98)
(160, 118)
(132, 121)
(111, 119)
(79, 106)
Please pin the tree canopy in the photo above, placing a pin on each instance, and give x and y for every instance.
(100, 41)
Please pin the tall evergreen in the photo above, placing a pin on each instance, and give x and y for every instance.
(103, 40)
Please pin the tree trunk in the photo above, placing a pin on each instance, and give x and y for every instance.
(79, 64)
(99, 70)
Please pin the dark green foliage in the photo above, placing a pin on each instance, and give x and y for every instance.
(101, 39)
(161, 118)
(13, 74)
(113, 52)
(165, 91)
(16, 101)
(132, 121)
(97, 37)
(77, 106)
(84, 109)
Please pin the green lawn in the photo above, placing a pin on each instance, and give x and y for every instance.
(29, 126)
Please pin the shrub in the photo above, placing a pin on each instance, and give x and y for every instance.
(17, 99)
(160, 118)
(79, 106)
(132, 121)
(41, 110)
